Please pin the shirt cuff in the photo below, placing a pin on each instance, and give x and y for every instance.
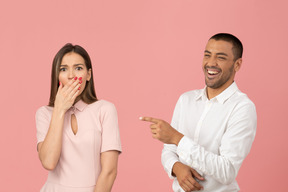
(170, 165)
(185, 151)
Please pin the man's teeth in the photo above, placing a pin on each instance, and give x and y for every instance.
(213, 72)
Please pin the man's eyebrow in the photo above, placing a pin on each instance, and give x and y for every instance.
(216, 53)
(222, 54)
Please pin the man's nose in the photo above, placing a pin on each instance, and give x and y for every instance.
(212, 61)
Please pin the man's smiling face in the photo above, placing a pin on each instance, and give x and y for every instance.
(219, 66)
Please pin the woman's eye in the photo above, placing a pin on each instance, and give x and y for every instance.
(62, 69)
(79, 68)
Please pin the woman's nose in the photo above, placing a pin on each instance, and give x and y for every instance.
(71, 74)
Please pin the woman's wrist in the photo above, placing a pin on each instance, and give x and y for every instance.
(59, 112)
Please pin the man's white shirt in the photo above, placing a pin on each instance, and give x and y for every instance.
(218, 135)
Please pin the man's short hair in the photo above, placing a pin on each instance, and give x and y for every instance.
(237, 45)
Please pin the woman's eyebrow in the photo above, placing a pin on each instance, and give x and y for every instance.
(78, 64)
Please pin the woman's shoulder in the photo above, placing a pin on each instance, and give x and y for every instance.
(102, 105)
(44, 110)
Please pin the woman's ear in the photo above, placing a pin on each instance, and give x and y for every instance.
(89, 75)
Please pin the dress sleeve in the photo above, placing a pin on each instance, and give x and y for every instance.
(235, 146)
(110, 129)
(42, 123)
(169, 154)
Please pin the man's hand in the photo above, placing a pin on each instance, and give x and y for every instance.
(186, 177)
(163, 131)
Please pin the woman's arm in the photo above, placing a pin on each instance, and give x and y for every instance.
(109, 160)
(50, 149)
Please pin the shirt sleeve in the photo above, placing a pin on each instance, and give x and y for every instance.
(235, 146)
(110, 129)
(169, 154)
(42, 118)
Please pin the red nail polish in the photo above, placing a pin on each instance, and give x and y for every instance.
(80, 82)
(59, 83)
(79, 88)
(75, 78)
(80, 78)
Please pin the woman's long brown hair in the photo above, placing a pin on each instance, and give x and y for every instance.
(88, 95)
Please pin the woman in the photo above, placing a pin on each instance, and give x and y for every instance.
(77, 135)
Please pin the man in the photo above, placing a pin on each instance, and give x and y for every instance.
(212, 129)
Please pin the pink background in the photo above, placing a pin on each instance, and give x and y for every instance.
(145, 54)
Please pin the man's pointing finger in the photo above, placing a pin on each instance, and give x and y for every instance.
(150, 119)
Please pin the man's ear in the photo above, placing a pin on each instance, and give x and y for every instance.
(238, 64)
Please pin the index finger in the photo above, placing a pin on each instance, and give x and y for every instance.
(149, 119)
(72, 84)
(196, 174)
(195, 183)
(69, 83)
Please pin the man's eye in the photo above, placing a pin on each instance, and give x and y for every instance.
(206, 55)
(221, 58)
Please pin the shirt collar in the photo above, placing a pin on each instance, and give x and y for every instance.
(202, 95)
(80, 105)
(227, 93)
(222, 97)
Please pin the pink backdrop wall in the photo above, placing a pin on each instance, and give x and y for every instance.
(145, 54)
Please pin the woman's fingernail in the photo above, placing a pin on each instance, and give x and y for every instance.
(79, 88)
(80, 82)
(80, 78)
(59, 83)
(75, 78)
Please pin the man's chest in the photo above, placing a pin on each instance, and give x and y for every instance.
(205, 123)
